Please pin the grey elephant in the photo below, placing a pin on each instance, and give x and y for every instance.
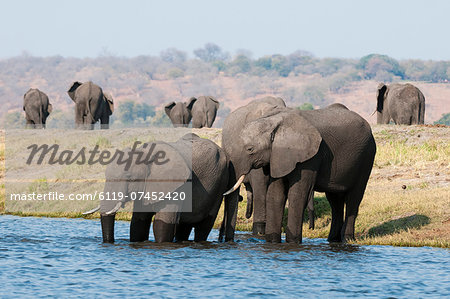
(190, 159)
(402, 103)
(179, 113)
(204, 110)
(91, 105)
(256, 181)
(37, 108)
(329, 150)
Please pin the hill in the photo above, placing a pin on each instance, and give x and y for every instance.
(298, 78)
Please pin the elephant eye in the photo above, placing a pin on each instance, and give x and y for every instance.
(249, 149)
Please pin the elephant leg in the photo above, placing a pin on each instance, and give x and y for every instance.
(211, 116)
(140, 226)
(182, 232)
(79, 115)
(30, 124)
(249, 211)
(352, 202)
(276, 201)
(311, 211)
(104, 122)
(164, 226)
(336, 201)
(107, 222)
(301, 188)
(259, 183)
(203, 229)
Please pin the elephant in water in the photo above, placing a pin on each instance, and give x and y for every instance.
(256, 181)
(402, 103)
(91, 105)
(328, 150)
(37, 108)
(190, 159)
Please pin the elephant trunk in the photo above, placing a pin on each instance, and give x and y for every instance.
(108, 228)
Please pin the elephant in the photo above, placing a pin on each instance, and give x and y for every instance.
(37, 108)
(328, 150)
(91, 105)
(190, 159)
(402, 103)
(256, 181)
(204, 111)
(179, 113)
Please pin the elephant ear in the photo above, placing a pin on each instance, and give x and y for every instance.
(169, 107)
(295, 140)
(381, 91)
(168, 172)
(216, 102)
(190, 103)
(72, 89)
(110, 102)
(260, 110)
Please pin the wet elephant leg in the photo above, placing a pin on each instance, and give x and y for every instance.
(352, 202)
(336, 201)
(164, 226)
(301, 188)
(107, 222)
(203, 229)
(182, 232)
(259, 183)
(140, 226)
(276, 201)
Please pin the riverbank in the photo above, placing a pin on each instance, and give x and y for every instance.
(406, 200)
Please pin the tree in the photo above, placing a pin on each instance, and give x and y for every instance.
(14, 120)
(306, 106)
(210, 52)
(173, 55)
(444, 120)
(241, 64)
(161, 120)
(375, 63)
(132, 113)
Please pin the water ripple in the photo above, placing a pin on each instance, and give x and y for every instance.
(70, 260)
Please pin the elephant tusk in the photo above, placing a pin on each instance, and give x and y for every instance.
(115, 209)
(237, 185)
(92, 211)
(373, 112)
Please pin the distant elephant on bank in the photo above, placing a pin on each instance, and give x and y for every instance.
(402, 103)
(37, 108)
(91, 105)
(190, 159)
(256, 181)
(179, 113)
(328, 150)
(204, 111)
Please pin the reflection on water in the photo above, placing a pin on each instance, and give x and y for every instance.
(65, 257)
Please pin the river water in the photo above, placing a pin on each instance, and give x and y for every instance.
(41, 257)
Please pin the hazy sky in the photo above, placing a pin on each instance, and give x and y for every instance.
(329, 28)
